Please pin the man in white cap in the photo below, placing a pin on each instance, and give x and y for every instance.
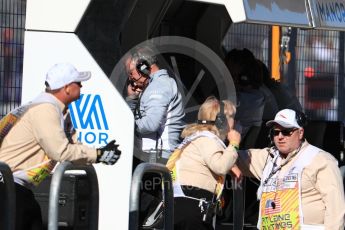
(37, 135)
(300, 185)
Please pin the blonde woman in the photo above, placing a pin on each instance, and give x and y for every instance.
(201, 162)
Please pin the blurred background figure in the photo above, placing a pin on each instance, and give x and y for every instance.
(283, 98)
(271, 104)
(247, 78)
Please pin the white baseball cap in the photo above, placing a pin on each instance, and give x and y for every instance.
(285, 118)
(62, 74)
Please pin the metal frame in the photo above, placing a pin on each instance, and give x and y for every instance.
(342, 171)
(10, 201)
(140, 170)
(239, 204)
(53, 211)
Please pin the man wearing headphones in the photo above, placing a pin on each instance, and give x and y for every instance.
(300, 185)
(158, 109)
(157, 106)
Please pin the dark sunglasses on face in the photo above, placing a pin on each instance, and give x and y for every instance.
(284, 132)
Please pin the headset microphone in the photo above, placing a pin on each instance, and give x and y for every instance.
(270, 137)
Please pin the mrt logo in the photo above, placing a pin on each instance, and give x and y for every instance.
(88, 117)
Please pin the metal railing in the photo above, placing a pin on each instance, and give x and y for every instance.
(53, 211)
(342, 171)
(9, 199)
(135, 194)
(238, 204)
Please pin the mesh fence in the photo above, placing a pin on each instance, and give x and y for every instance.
(12, 22)
(316, 66)
(318, 73)
(256, 38)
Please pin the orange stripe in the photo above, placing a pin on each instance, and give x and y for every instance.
(275, 52)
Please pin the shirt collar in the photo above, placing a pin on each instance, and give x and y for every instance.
(159, 73)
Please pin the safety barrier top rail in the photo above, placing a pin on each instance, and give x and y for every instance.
(53, 211)
(239, 204)
(342, 171)
(168, 194)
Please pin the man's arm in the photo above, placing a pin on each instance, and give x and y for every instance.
(252, 162)
(155, 102)
(51, 137)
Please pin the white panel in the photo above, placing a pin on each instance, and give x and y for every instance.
(42, 50)
(236, 10)
(279, 12)
(54, 15)
(273, 12)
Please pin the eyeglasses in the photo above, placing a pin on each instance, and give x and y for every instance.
(284, 132)
(132, 80)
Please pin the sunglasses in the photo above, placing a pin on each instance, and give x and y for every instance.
(284, 132)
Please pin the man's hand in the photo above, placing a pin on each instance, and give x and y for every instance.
(108, 154)
(133, 90)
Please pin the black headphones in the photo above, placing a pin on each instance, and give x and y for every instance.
(301, 118)
(143, 67)
(221, 122)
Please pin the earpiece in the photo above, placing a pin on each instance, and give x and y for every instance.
(143, 67)
(301, 118)
(270, 137)
(144, 58)
(221, 122)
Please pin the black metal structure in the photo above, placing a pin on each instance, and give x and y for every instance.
(167, 194)
(9, 199)
(53, 212)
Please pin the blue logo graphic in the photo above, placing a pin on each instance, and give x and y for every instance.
(88, 113)
(331, 11)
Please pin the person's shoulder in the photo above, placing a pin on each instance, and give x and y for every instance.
(161, 77)
(260, 153)
(160, 83)
(207, 142)
(44, 108)
(325, 156)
